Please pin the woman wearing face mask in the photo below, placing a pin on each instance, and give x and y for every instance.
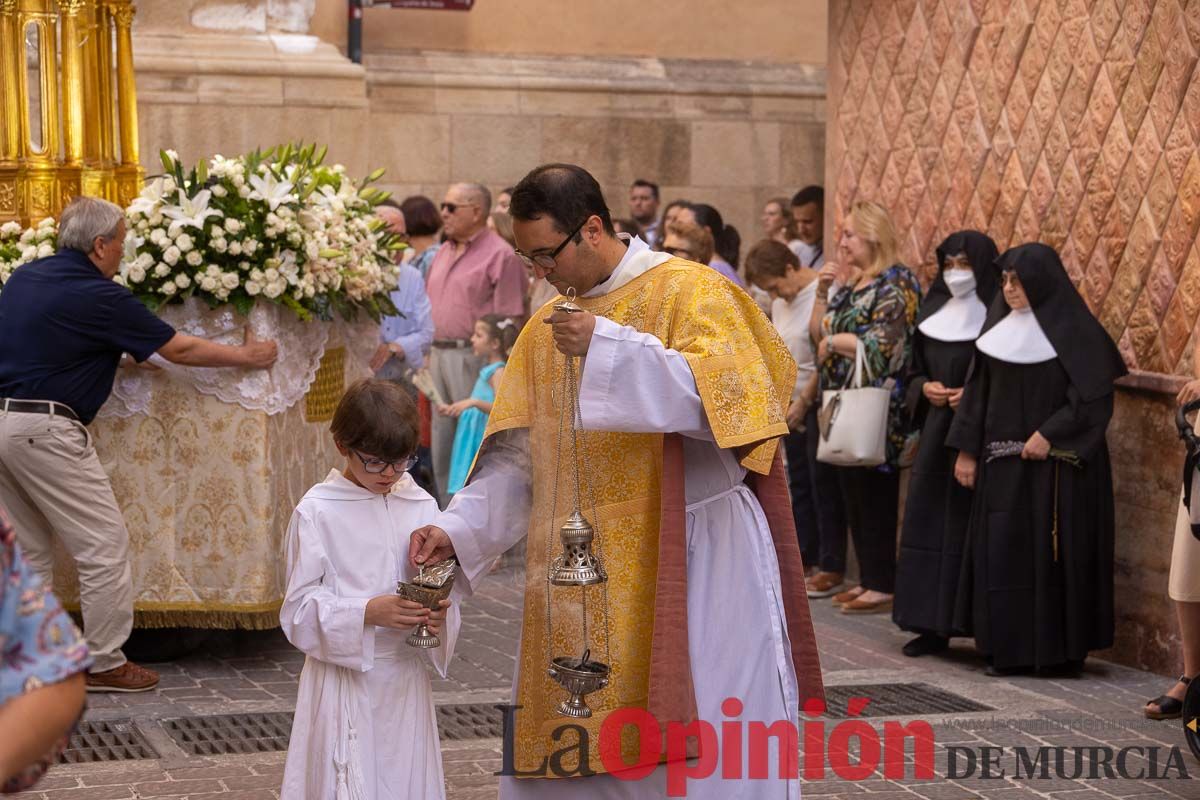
(937, 508)
(1037, 578)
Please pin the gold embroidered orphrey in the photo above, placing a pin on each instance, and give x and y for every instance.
(744, 375)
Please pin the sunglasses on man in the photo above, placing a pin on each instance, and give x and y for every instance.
(451, 208)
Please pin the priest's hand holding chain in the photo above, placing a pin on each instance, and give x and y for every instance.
(572, 331)
(429, 545)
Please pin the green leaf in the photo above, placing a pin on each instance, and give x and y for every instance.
(168, 164)
(374, 176)
(242, 302)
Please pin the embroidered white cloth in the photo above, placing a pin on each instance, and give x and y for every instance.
(301, 345)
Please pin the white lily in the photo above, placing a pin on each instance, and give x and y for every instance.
(270, 189)
(150, 199)
(192, 211)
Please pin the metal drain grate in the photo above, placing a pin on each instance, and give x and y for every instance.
(898, 700)
(109, 740)
(227, 734)
(470, 721)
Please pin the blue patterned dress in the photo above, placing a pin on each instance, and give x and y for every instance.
(39, 644)
(469, 433)
(881, 313)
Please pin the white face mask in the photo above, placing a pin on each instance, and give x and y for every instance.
(960, 282)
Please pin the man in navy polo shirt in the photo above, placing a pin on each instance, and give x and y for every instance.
(64, 326)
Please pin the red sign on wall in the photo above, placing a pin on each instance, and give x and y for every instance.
(441, 5)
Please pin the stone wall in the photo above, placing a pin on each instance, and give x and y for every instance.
(228, 75)
(1074, 123)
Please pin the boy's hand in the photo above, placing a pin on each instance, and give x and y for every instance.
(436, 618)
(393, 611)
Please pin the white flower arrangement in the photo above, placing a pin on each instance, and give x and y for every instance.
(277, 225)
(20, 245)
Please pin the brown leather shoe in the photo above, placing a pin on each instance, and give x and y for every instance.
(128, 677)
(859, 606)
(824, 584)
(842, 598)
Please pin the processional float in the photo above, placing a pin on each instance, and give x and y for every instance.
(69, 124)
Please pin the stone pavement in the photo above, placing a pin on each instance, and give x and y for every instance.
(257, 672)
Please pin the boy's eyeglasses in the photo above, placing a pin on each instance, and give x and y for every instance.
(375, 466)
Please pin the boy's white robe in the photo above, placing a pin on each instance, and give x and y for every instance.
(346, 545)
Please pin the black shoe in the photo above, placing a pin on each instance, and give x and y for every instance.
(925, 645)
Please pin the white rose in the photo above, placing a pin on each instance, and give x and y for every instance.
(235, 248)
(45, 250)
(29, 253)
(208, 283)
(171, 256)
(253, 288)
(161, 271)
(156, 220)
(136, 274)
(220, 245)
(117, 279)
(233, 226)
(10, 229)
(243, 191)
(272, 274)
(183, 281)
(256, 275)
(145, 261)
(222, 294)
(273, 290)
(168, 289)
(249, 246)
(219, 191)
(184, 242)
(194, 258)
(230, 280)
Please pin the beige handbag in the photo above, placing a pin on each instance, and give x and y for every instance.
(853, 421)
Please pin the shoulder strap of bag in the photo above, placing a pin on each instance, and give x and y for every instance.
(854, 380)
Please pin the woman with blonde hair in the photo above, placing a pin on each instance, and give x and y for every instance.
(689, 241)
(874, 307)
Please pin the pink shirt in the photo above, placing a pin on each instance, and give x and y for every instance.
(485, 278)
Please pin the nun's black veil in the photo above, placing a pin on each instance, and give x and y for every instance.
(981, 253)
(1084, 348)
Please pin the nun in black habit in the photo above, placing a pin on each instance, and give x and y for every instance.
(1037, 577)
(937, 508)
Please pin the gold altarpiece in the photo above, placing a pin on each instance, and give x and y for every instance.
(69, 125)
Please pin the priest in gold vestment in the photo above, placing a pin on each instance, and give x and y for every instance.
(682, 386)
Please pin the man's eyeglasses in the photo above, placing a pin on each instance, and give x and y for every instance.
(546, 260)
(451, 208)
(375, 466)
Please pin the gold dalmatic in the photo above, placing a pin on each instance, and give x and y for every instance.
(744, 374)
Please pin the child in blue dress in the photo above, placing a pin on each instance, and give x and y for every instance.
(492, 340)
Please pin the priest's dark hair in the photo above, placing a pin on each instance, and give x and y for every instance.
(377, 418)
(565, 193)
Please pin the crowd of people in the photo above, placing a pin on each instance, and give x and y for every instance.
(993, 387)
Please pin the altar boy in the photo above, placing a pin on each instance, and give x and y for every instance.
(365, 727)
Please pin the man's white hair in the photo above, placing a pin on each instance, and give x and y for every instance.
(480, 194)
(86, 219)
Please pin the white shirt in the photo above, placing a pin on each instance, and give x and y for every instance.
(791, 320)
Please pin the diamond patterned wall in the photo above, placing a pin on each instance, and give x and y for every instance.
(1069, 122)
